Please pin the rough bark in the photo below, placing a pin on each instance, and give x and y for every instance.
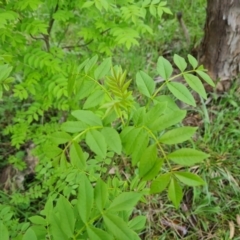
(220, 50)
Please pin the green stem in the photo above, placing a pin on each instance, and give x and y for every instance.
(169, 80)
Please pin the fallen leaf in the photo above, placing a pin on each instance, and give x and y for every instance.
(232, 229)
(238, 219)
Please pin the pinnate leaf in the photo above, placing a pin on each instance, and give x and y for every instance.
(180, 62)
(66, 216)
(193, 61)
(98, 234)
(96, 142)
(94, 99)
(205, 77)
(100, 194)
(4, 234)
(77, 157)
(60, 137)
(149, 165)
(181, 93)
(124, 202)
(103, 68)
(137, 223)
(160, 183)
(177, 135)
(87, 117)
(117, 227)
(189, 179)
(195, 83)
(74, 126)
(90, 64)
(38, 220)
(29, 234)
(164, 68)
(85, 198)
(112, 139)
(167, 120)
(187, 156)
(145, 84)
(175, 192)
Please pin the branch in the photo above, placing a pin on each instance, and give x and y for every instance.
(50, 25)
(83, 45)
(37, 38)
(51, 21)
(74, 46)
(184, 28)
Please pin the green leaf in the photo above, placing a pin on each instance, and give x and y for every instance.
(87, 117)
(205, 77)
(160, 183)
(193, 61)
(98, 234)
(135, 141)
(29, 234)
(170, 103)
(4, 235)
(138, 223)
(138, 116)
(87, 4)
(74, 126)
(90, 64)
(152, 10)
(124, 202)
(48, 208)
(145, 84)
(181, 93)
(187, 156)
(164, 68)
(167, 10)
(103, 69)
(101, 194)
(175, 192)
(112, 139)
(56, 228)
(96, 142)
(180, 62)
(146, 3)
(195, 83)
(177, 135)
(38, 220)
(84, 88)
(189, 179)
(169, 119)
(85, 198)
(77, 157)
(66, 216)
(60, 137)
(117, 227)
(94, 99)
(5, 71)
(149, 165)
(151, 117)
(52, 151)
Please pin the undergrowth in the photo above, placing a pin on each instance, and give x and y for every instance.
(97, 150)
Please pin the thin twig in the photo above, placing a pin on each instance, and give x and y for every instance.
(85, 44)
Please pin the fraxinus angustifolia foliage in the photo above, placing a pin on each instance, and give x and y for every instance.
(87, 121)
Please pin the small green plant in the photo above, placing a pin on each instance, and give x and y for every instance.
(112, 124)
(102, 146)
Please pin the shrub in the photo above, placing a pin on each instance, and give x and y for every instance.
(102, 147)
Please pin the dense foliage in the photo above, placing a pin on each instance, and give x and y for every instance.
(102, 145)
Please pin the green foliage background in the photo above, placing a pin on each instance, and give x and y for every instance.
(61, 90)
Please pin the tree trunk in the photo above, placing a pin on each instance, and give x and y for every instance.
(220, 49)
